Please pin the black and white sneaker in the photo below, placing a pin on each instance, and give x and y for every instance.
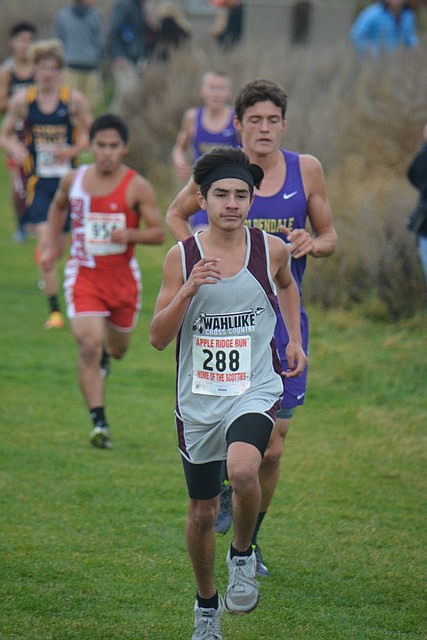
(261, 568)
(225, 514)
(100, 436)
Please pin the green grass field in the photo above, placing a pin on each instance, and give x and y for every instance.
(92, 542)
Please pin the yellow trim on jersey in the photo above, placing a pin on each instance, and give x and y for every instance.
(32, 94)
(31, 189)
(64, 94)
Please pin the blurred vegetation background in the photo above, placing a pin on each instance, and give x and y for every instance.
(362, 119)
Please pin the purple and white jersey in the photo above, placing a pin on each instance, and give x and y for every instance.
(203, 142)
(287, 207)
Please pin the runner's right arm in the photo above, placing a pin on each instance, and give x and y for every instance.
(56, 219)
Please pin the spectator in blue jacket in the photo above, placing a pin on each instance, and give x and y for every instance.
(384, 26)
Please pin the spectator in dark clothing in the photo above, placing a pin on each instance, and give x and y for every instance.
(417, 175)
(174, 30)
(126, 44)
(229, 27)
(79, 27)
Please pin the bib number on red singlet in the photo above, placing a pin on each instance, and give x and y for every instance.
(98, 230)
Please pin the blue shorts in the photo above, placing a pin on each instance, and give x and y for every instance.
(40, 193)
(295, 388)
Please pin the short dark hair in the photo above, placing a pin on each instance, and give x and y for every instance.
(220, 156)
(109, 121)
(21, 27)
(259, 91)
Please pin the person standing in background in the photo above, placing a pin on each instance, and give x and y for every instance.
(173, 32)
(383, 27)
(127, 46)
(417, 176)
(228, 27)
(79, 27)
(17, 72)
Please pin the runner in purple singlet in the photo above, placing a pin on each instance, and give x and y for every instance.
(205, 127)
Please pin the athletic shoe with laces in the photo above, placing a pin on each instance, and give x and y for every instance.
(100, 436)
(54, 321)
(207, 622)
(242, 594)
(225, 514)
(261, 567)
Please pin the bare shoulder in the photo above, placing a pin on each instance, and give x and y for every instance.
(312, 173)
(140, 195)
(78, 102)
(189, 115)
(139, 184)
(19, 100)
(77, 96)
(275, 244)
(68, 179)
(5, 72)
(310, 164)
(172, 264)
(188, 122)
(277, 249)
(18, 105)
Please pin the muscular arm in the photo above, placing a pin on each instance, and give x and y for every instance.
(82, 119)
(180, 210)
(175, 295)
(183, 140)
(57, 216)
(140, 197)
(4, 88)
(322, 242)
(16, 111)
(289, 304)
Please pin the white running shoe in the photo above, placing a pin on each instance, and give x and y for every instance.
(207, 622)
(100, 436)
(242, 594)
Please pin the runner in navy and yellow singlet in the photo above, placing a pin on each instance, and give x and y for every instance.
(56, 121)
(17, 72)
(293, 193)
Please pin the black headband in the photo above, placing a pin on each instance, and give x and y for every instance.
(227, 171)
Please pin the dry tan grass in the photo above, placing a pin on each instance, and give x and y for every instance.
(363, 121)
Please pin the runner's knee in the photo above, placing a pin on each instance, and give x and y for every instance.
(202, 513)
